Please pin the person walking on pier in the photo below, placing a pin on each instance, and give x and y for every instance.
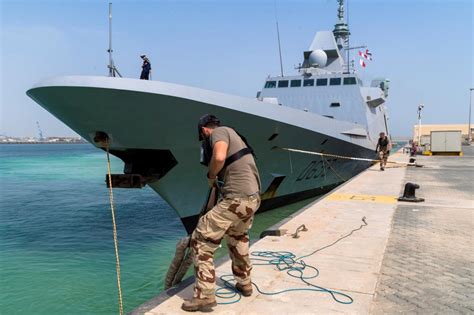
(383, 149)
(232, 163)
(146, 68)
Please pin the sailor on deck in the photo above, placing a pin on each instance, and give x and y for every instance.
(146, 68)
(231, 218)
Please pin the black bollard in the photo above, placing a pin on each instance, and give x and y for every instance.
(409, 193)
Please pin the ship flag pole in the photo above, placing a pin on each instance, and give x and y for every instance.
(112, 69)
(278, 35)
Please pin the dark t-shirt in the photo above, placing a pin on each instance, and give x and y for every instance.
(240, 178)
(383, 144)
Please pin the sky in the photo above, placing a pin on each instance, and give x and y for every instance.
(425, 48)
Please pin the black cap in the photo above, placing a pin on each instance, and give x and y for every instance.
(206, 120)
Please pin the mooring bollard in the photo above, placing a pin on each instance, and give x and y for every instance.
(409, 193)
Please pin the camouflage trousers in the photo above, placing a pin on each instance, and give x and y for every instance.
(383, 156)
(230, 218)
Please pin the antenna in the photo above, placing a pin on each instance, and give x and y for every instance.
(111, 62)
(347, 42)
(341, 32)
(278, 35)
(111, 66)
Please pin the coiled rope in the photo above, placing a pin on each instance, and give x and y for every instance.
(294, 266)
(117, 258)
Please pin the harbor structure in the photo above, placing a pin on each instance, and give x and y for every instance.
(424, 133)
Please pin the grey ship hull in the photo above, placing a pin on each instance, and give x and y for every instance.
(160, 119)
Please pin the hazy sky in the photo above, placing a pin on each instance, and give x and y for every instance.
(424, 47)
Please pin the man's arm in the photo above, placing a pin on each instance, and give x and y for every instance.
(377, 147)
(219, 154)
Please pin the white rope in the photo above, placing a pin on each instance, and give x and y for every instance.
(340, 156)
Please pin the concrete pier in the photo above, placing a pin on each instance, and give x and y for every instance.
(426, 249)
(428, 265)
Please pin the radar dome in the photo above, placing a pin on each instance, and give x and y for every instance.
(318, 57)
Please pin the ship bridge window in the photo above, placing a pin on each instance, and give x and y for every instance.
(308, 82)
(321, 82)
(283, 83)
(335, 105)
(270, 84)
(335, 81)
(295, 83)
(350, 81)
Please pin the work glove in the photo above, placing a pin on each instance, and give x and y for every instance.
(211, 181)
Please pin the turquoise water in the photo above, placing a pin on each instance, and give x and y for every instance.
(56, 239)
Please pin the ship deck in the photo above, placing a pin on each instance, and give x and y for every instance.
(407, 259)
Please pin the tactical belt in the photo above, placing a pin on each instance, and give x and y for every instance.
(237, 155)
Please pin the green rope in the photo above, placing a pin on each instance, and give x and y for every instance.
(294, 267)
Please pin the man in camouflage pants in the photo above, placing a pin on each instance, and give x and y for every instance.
(383, 149)
(231, 218)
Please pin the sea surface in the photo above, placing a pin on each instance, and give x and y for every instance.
(56, 238)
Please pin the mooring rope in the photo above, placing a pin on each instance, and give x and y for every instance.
(332, 169)
(339, 156)
(117, 258)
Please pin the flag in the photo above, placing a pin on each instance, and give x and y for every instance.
(368, 55)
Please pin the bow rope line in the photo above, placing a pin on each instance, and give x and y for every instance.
(117, 258)
(339, 156)
(332, 169)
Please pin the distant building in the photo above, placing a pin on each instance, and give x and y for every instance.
(32, 140)
(426, 131)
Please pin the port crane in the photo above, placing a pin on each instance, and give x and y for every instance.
(40, 132)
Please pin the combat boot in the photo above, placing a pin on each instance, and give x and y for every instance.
(246, 289)
(196, 304)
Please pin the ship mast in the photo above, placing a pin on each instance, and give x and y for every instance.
(112, 69)
(341, 32)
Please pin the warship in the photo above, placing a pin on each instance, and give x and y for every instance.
(151, 125)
